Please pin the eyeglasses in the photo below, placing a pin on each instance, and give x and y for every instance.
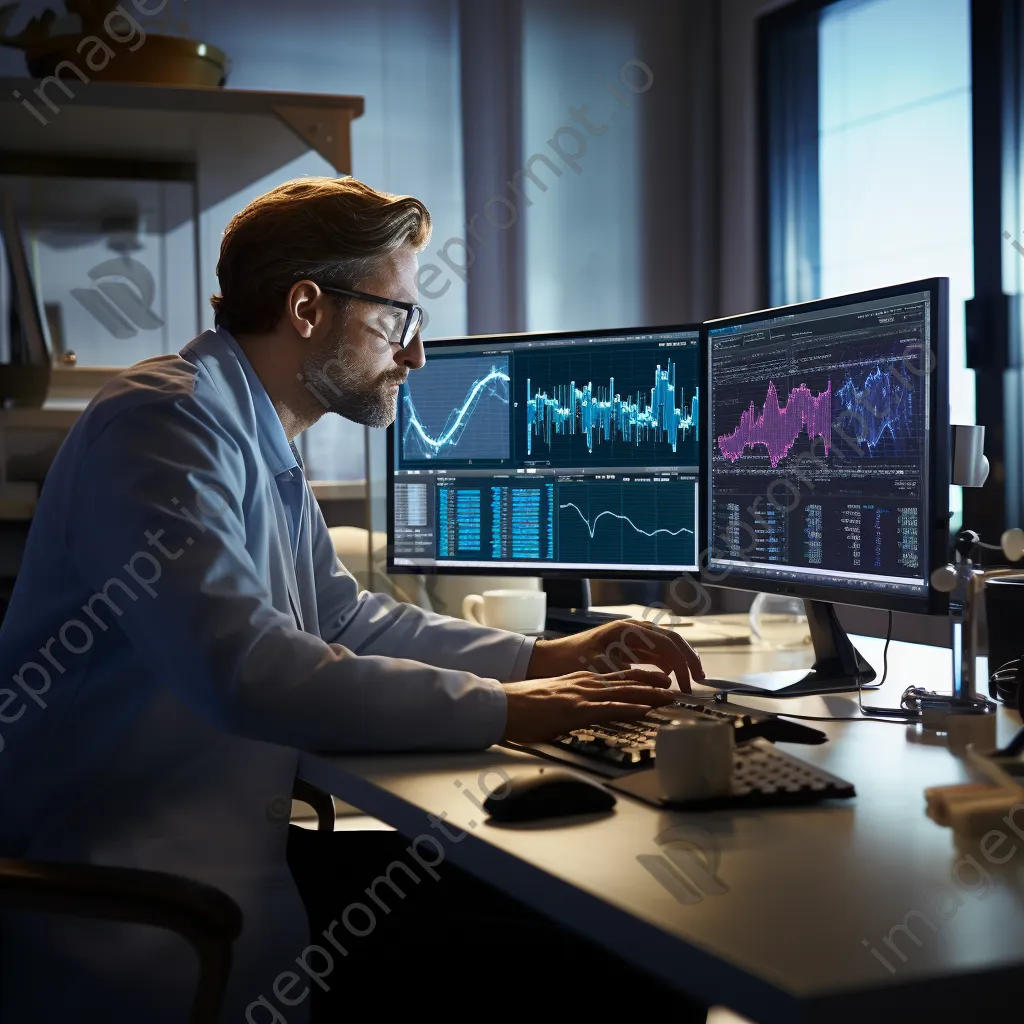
(413, 312)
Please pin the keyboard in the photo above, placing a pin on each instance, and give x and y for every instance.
(620, 747)
(762, 776)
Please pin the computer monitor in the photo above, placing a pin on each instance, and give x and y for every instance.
(566, 454)
(827, 462)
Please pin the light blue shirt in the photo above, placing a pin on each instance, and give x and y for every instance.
(180, 630)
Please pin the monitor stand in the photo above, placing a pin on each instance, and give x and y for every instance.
(838, 665)
(569, 608)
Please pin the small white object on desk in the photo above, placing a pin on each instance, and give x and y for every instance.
(694, 756)
(973, 809)
(522, 611)
(978, 730)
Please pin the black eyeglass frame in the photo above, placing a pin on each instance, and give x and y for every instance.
(408, 330)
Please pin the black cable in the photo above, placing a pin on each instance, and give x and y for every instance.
(894, 716)
(901, 716)
(885, 653)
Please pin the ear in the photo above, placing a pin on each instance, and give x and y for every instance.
(306, 308)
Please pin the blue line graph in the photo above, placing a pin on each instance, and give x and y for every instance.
(885, 404)
(592, 526)
(457, 409)
(643, 419)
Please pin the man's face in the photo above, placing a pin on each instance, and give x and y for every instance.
(359, 368)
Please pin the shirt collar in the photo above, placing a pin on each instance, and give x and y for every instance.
(280, 454)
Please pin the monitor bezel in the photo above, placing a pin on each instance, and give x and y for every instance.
(499, 569)
(939, 475)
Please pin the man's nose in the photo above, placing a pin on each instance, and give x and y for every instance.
(412, 355)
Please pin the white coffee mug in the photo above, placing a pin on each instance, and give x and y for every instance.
(522, 611)
(694, 758)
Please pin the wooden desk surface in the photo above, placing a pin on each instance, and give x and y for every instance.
(787, 912)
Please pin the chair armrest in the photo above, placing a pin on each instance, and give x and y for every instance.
(321, 802)
(208, 918)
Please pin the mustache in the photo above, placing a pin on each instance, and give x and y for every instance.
(397, 378)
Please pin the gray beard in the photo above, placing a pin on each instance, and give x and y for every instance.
(337, 383)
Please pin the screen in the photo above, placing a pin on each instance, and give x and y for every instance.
(550, 452)
(818, 448)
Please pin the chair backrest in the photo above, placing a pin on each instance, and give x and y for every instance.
(208, 918)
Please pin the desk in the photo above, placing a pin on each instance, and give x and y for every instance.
(802, 895)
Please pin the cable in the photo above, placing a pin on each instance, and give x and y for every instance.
(885, 654)
(893, 716)
(902, 715)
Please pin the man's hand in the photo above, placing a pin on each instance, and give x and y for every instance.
(617, 645)
(543, 709)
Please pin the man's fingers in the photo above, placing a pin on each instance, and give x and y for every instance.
(671, 648)
(634, 674)
(609, 711)
(652, 696)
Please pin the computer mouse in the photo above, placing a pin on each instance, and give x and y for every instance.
(547, 793)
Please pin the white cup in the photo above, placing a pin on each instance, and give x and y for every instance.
(694, 758)
(522, 611)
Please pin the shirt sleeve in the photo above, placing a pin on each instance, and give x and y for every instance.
(369, 623)
(167, 501)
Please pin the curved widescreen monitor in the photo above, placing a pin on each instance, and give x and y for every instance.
(571, 453)
(827, 449)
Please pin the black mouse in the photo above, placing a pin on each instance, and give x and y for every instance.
(547, 793)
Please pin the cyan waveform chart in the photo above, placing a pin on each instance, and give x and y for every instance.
(777, 427)
(880, 415)
(628, 523)
(622, 405)
(602, 413)
(456, 409)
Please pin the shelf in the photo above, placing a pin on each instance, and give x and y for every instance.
(49, 417)
(190, 133)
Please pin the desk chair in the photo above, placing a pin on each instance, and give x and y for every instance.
(321, 803)
(206, 917)
(209, 919)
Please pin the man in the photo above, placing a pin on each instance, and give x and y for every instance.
(181, 628)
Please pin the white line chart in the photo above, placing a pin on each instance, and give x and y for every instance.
(592, 527)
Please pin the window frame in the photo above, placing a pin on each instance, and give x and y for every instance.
(994, 320)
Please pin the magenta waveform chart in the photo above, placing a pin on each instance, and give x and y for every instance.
(602, 414)
(777, 427)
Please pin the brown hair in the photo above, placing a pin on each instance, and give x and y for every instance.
(329, 230)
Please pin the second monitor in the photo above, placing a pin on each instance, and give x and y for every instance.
(828, 461)
(573, 454)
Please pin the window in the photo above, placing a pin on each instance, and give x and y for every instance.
(894, 156)
(868, 124)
